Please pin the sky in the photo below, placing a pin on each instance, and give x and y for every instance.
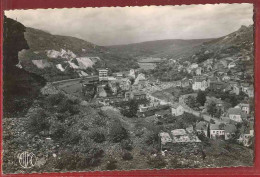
(124, 25)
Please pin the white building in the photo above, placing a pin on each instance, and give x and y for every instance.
(177, 109)
(200, 84)
(216, 131)
(103, 74)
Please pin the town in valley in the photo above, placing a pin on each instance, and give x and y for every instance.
(152, 105)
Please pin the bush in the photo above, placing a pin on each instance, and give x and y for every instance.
(70, 161)
(117, 132)
(152, 138)
(157, 161)
(94, 157)
(72, 137)
(57, 131)
(38, 121)
(111, 164)
(69, 105)
(55, 99)
(98, 137)
(127, 144)
(127, 156)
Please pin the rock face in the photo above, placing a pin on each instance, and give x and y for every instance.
(20, 87)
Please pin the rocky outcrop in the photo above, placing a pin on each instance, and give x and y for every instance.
(20, 87)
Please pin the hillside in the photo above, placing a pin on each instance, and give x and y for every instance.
(58, 57)
(237, 44)
(237, 47)
(173, 48)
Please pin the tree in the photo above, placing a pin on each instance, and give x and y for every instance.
(208, 131)
(201, 98)
(212, 109)
(191, 102)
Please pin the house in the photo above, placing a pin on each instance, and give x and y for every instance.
(177, 83)
(125, 84)
(101, 91)
(236, 90)
(217, 86)
(198, 71)
(177, 138)
(132, 73)
(217, 131)
(200, 83)
(230, 130)
(194, 65)
(185, 82)
(244, 87)
(113, 87)
(247, 133)
(202, 127)
(140, 81)
(162, 113)
(225, 78)
(236, 114)
(231, 65)
(138, 95)
(177, 109)
(250, 91)
(244, 107)
(103, 74)
(144, 108)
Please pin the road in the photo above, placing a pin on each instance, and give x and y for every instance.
(196, 113)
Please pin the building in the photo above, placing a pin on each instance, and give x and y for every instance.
(236, 114)
(198, 71)
(200, 83)
(185, 82)
(103, 74)
(216, 131)
(217, 86)
(101, 91)
(247, 133)
(171, 140)
(132, 73)
(177, 109)
(125, 84)
(162, 113)
(177, 83)
(231, 65)
(202, 127)
(236, 89)
(244, 107)
(230, 130)
(138, 95)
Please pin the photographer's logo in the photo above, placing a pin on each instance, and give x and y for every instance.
(26, 159)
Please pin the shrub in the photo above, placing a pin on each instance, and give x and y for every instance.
(57, 131)
(55, 99)
(127, 144)
(72, 137)
(38, 121)
(152, 138)
(70, 161)
(111, 164)
(68, 105)
(156, 162)
(98, 137)
(94, 157)
(127, 156)
(117, 132)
